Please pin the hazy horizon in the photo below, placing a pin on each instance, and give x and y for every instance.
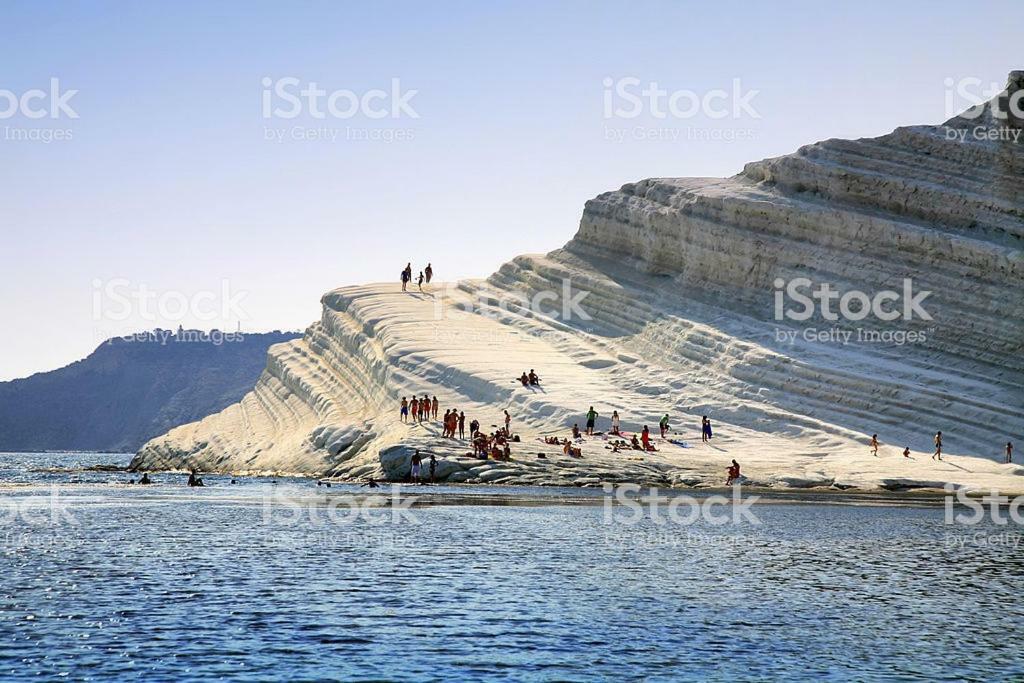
(175, 193)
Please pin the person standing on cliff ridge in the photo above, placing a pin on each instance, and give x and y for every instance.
(428, 272)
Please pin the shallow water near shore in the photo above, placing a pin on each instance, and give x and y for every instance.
(260, 581)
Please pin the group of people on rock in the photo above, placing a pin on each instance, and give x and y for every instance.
(566, 444)
(419, 409)
(529, 379)
(425, 276)
(454, 419)
(937, 454)
(496, 445)
(663, 426)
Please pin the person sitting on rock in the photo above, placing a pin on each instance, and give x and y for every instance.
(524, 380)
(480, 445)
(645, 438)
(576, 431)
(635, 444)
(496, 452)
(534, 379)
(734, 473)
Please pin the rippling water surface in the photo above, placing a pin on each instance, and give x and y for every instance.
(237, 581)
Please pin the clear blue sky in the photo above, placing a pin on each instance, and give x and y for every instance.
(168, 181)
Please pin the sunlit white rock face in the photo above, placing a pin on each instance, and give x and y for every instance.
(679, 284)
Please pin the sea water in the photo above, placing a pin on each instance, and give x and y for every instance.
(271, 579)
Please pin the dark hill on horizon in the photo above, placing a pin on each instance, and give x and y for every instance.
(130, 390)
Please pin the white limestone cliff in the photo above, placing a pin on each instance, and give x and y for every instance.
(678, 278)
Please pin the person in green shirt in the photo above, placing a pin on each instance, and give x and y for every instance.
(591, 418)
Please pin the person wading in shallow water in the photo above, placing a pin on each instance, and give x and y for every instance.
(1009, 452)
(433, 467)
